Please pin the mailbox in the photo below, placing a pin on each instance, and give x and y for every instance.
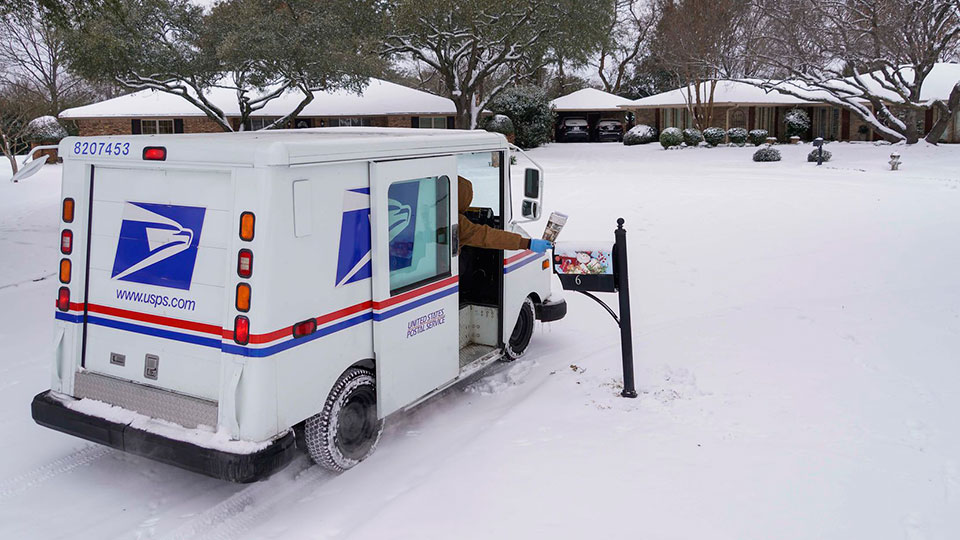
(584, 267)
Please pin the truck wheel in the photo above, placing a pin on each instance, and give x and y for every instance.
(520, 338)
(347, 430)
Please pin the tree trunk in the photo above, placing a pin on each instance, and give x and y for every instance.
(910, 119)
(946, 115)
(462, 104)
(5, 146)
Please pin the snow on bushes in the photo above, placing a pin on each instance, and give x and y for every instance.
(640, 134)
(812, 156)
(530, 111)
(758, 136)
(737, 136)
(45, 129)
(713, 135)
(767, 153)
(500, 123)
(692, 137)
(797, 122)
(671, 137)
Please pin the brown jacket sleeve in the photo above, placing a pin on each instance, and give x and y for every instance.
(484, 236)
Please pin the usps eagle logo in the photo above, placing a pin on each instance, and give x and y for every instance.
(158, 244)
(354, 255)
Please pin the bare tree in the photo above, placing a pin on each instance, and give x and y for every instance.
(627, 34)
(32, 53)
(16, 111)
(870, 57)
(692, 39)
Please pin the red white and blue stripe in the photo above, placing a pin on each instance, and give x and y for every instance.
(520, 260)
(260, 345)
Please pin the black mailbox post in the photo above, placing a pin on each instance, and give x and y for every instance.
(818, 143)
(596, 268)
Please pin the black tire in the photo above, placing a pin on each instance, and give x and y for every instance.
(347, 430)
(519, 340)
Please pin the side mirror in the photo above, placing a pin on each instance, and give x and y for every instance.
(530, 209)
(531, 184)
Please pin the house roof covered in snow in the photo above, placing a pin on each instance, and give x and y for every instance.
(589, 99)
(938, 84)
(377, 99)
(725, 93)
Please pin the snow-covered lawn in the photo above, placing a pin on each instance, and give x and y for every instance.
(797, 334)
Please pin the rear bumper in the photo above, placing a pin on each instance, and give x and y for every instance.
(551, 310)
(50, 410)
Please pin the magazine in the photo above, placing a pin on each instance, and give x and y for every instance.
(554, 226)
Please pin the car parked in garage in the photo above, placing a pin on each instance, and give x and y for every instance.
(574, 129)
(610, 130)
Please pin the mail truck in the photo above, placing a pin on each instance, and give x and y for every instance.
(227, 300)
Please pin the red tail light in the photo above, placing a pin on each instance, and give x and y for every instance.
(241, 330)
(63, 299)
(155, 153)
(245, 263)
(304, 328)
(66, 242)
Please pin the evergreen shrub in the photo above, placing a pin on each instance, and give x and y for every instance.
(713, 135)
(671, 137)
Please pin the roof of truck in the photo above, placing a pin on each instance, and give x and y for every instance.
(295, 146)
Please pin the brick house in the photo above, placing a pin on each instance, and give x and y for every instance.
(382, 104)
(738, 104)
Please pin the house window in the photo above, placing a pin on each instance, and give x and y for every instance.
(764, 120)
(355, 121)
(433, 122)
(738, 118)
(155, 127)
(259, 122)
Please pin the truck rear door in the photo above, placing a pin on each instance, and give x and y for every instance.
(156, 271)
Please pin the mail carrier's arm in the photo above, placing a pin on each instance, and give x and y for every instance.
(483, 236)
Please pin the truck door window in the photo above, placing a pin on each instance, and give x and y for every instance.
(419, 223)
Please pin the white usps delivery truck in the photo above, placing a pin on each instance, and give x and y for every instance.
(227, 300)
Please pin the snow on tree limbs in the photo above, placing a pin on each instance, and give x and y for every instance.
(259, 49)
(870, 57)
(477, 47)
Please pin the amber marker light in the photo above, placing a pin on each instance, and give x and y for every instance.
(67, 215)
(246, 226)
(65, 268)
(243, 297)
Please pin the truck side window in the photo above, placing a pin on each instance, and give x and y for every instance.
(419, 231)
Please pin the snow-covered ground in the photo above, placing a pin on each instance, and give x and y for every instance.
(797, 332)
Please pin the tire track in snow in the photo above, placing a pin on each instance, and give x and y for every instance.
(42, 474)
(230, 518)
(239, 513)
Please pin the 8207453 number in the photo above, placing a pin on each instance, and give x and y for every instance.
(94, 148)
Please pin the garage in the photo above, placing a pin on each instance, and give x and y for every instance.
(590, 115)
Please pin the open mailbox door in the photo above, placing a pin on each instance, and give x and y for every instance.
(413, 207)
(583, 267)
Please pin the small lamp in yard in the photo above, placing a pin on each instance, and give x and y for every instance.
(895, 161)
(818, 143)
